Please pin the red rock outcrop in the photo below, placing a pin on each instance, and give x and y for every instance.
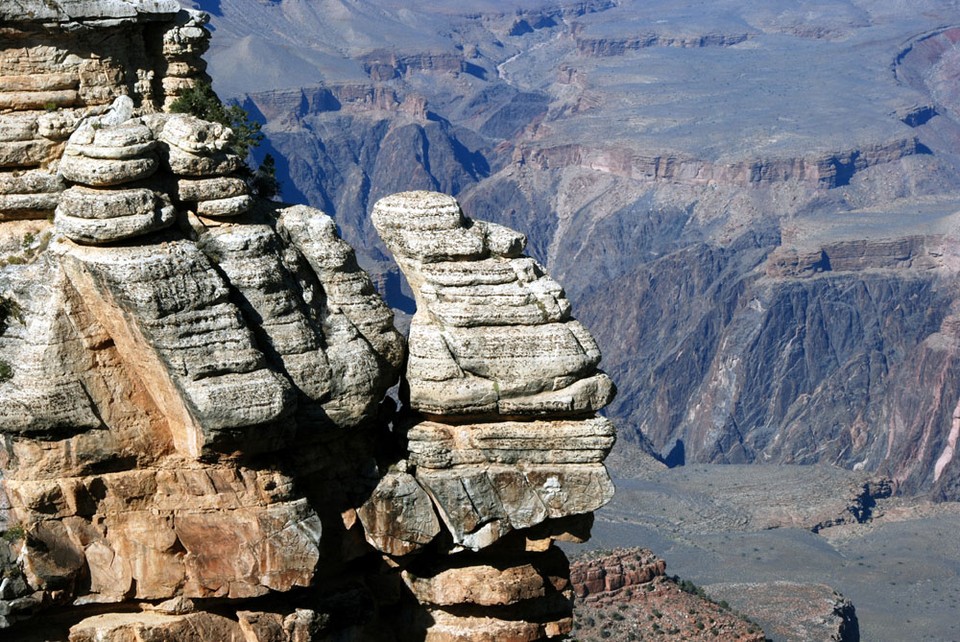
(625, 594)
(618, 570)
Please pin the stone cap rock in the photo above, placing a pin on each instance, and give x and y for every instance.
(430, 227)
(194, 135)
(492, 335)
(68, 10)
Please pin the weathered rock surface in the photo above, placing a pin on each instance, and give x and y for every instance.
(63, 64)
(29, 194)
(438, 445)
(67, 10)
(144, 534)
(525, 356)
(349, 288)
(604, 574)
(102, 216)
(507, 381)
(200, 151)
(197, 442)
(336, 340)
(209, 189)
(399, 518)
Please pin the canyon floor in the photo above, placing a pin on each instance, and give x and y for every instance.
(721, 525)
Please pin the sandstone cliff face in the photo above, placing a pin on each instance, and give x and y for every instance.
(192, 391)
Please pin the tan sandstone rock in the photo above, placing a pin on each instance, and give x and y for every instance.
(492, 333)
(128, 627)
(103, 152)
(194, 416)
(399, 518)
(26, 194)
(99, 216)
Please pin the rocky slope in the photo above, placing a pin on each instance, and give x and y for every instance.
(626, 595)
(779, 533)
(794, 612)
(775, 238)
(197, 441)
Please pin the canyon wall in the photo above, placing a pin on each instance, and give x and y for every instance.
(766, 251)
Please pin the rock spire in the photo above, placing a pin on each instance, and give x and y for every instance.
(504, 444)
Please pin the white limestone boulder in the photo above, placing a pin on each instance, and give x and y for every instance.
(492, 334)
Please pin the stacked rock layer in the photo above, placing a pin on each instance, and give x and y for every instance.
(63, 62)
(197, 441)
(503, 444)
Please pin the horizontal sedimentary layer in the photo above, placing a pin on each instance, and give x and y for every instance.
(71, 10)
(479, 504)
(617, 46)
(435, 445)
(826, 170)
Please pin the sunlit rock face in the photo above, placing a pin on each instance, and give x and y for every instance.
(504, 384)
(493, 333)
(197, 438)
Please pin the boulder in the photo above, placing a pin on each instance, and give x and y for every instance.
(399, 519)
(131, 139)
(123, 627)
(193, 190)
(196, 136)
(107, 172)
(225, 207)
(184, 163)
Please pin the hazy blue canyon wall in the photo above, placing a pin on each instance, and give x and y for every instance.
(754, 206)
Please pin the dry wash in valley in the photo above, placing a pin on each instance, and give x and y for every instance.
(197, 441)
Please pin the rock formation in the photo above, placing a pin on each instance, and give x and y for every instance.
(626, 594)
(792, 611)
(505, 446)
(193, 393)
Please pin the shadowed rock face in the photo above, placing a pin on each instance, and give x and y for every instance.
(193, 384)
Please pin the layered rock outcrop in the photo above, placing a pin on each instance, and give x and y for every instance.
(505, 445)
(653, 188)
(67, 61)
(626, 594)
(193, 385)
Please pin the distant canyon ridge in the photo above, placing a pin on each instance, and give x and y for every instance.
(753, 206)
